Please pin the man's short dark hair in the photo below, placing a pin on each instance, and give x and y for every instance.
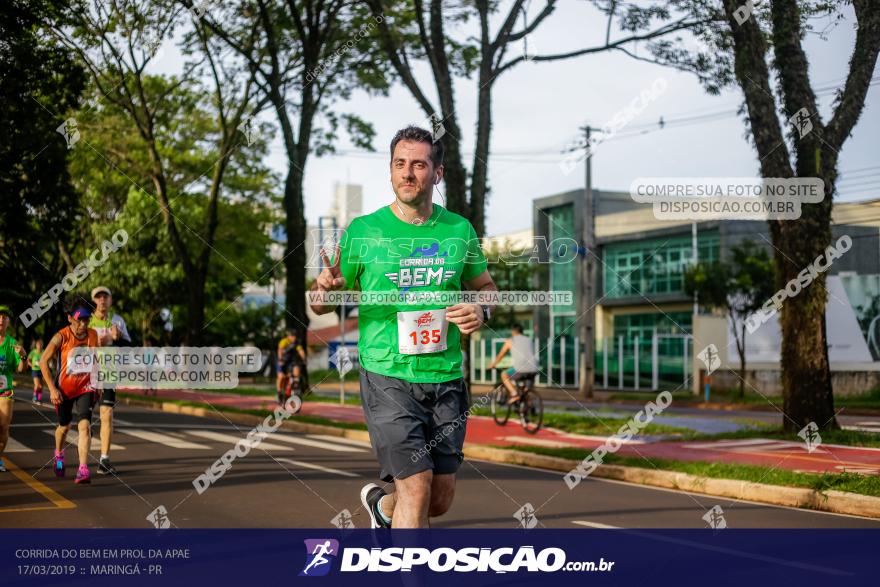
(420, 135)
(517, 328)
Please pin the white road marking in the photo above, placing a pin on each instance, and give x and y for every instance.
(73, 438)
(339, 439)
(318, 467)
(232, 439)
(165, 439)
(727, 444)
(872, 428)
(535, 441)
(317, 443)
(594, 525)
(12, 445)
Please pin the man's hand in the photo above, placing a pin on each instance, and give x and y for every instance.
(114, 333)
(468, 317)
(331, 277)
(55, 395)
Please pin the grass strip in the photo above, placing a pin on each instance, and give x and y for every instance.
(850, 482)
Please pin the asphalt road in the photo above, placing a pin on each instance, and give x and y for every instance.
(295, 480)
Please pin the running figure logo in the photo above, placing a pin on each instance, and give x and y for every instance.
(711, 358)
(526, 516)
(319, 554)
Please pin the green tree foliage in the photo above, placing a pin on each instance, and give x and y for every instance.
(40, 83)
(146, 274)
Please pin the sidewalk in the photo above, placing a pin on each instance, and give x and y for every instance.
(482, 430)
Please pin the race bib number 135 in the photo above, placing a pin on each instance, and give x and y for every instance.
(421, 331)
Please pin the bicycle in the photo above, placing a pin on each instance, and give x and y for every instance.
(529, 404)
(302, 390)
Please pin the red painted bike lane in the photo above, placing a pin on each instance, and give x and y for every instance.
(483, 430)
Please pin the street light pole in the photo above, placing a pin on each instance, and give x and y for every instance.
(587, 278)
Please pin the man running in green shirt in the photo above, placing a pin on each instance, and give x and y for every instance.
(12, 359)
(412, 392)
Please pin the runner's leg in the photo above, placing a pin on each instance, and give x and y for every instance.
(296, 382)
(413, 496)
(83, 442)
(5, 423)
(442, 493)
(106, 429)
(61, 437)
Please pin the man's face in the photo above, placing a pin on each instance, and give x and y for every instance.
(79, 326)
(412, 173)
(4, 322)
(102, 301)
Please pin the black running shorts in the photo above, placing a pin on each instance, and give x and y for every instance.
(77, 408)
(414, 427)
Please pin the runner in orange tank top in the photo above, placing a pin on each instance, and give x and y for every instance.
(72, 393)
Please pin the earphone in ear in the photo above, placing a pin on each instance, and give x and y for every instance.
(437, 181)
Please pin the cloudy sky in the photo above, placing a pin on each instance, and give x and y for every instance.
(538, 108)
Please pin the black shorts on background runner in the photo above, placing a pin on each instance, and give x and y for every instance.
(108, 397)
(414, 427)
(78, 408)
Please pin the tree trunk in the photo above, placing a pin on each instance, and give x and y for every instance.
(295, 255)
(480, 179)
(806, 371)
(196, 310)
(741, 349)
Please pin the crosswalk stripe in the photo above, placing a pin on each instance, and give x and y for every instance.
(318, 467)
(165, 439)
(318, 443)
(233, 439)
(73, 438)
(12, 445)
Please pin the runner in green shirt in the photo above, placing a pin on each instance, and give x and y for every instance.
(412, 392)
(33, 360)
(12, 360)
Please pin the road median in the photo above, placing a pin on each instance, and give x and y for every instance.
(839, 502)
(833, 501)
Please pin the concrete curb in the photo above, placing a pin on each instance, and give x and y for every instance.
(838, 502)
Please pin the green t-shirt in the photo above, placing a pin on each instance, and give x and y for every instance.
(34, 358)
(382, 253)
(9, 361)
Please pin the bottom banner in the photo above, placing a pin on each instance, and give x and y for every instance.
(436, 557)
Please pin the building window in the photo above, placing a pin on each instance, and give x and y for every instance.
(654, 266)
(560, 221)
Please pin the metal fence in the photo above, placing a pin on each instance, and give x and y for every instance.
(646, 363)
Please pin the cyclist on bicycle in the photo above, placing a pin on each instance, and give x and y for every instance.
(525, 364)
(291, 359)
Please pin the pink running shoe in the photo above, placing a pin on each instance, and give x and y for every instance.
(82, 475)
(58, 464)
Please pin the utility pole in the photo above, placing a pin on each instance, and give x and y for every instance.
(587, 270)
